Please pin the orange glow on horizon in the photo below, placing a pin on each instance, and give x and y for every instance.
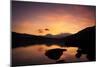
(57, 25)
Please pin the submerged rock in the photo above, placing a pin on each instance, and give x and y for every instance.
(54, 54)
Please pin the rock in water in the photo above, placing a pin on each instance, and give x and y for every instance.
(54, 54)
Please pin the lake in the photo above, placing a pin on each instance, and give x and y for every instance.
(35, 55)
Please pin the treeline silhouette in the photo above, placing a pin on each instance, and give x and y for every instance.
(84, 40)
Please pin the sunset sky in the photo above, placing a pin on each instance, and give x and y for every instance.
(45, 18)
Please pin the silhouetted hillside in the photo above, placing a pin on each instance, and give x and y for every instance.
(85, 40)
(85, 34)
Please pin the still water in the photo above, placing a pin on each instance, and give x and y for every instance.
(35, 54)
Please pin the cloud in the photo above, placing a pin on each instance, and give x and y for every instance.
(40, 30)
(43, 30)
(46, 29)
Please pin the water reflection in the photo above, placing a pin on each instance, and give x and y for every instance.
(36, 55)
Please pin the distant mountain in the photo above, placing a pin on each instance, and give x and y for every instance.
(58, 35)
(87, 34)
(63, 39)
